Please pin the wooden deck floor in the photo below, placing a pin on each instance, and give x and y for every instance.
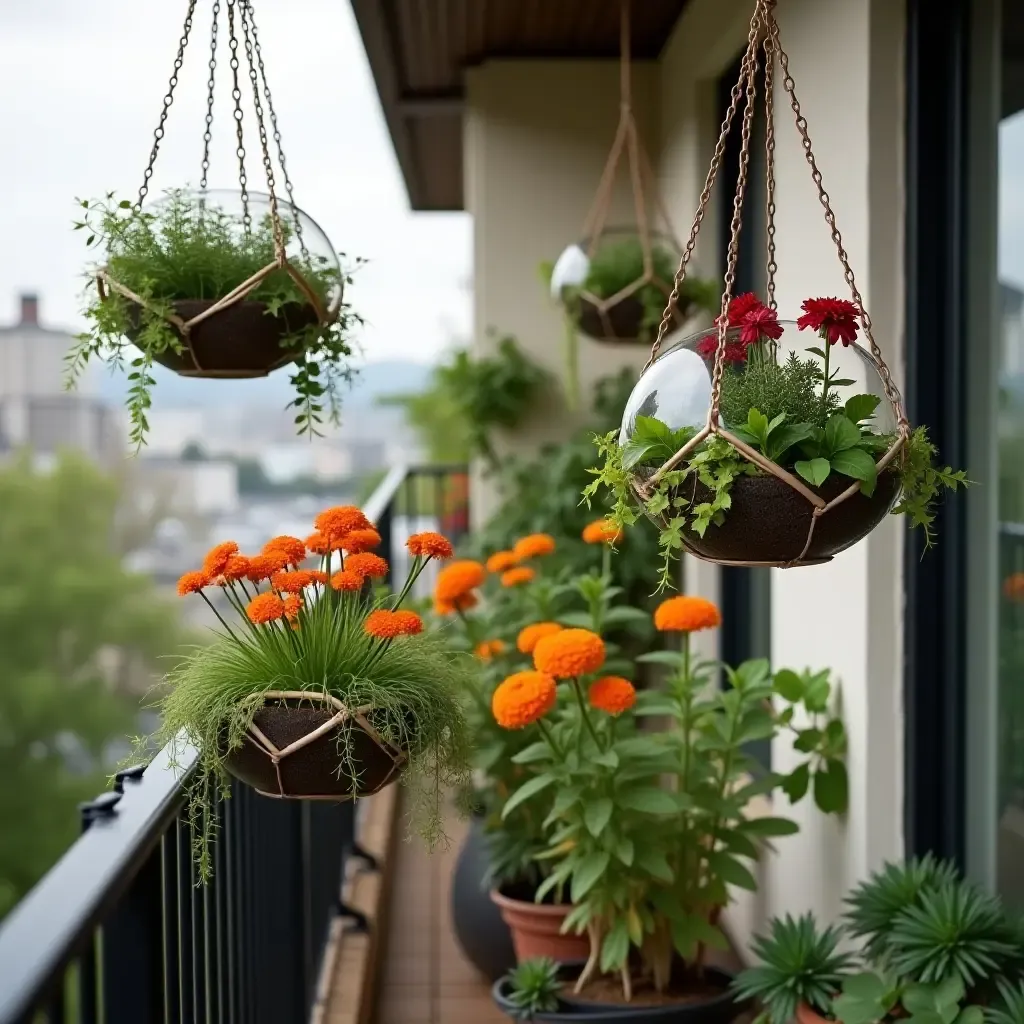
(424, 978)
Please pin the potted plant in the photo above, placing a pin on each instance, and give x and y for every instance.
(210, 286)
(930, 947)
(808, 457)
(319, 689)
(648, 868)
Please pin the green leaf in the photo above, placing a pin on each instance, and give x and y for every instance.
(840, 433)
(795, 784)
(539, 751)
(606, 758)
(861, 407)
(770, 827)
(831, 788)
(820, 352)
(588, 872)
(652, 860)
(789, 686)
(732, 871)
(691, 929)
(757, 424)
(615, 946)
(648, 799)
(528, 789)
(856, 464)
(814, 471)
(577, 620)
(807, 740)
(597, 815)
(671, 658)
(624, 850)
(623, 615)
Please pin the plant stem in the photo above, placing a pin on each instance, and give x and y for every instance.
(606, 562)
(825, 385)
(219, 616)
(418, 566)
(578, 690)
(549, 737)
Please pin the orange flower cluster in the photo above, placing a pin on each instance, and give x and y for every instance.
(366, 564)
(346, 579)
(262, 567)
(318, 544)
(386, 624)
(569, 653)
(265, 608)
(530, 636)
(430, 545)
(334, 523)
(517, 577)
(290, 549)
(292, 606)
(684, 614)
(602, 531)
(523, 698)
(458, 604)
(489, 649)
(612, 694)
(217, 558)
(191, 583)
(1013, 587)
(501, 561)
(293, 582)
(457, 580)
(533, 546)
(358, 541)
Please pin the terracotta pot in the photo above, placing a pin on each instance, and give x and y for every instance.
(241, 340)
(536, 930)
(806, 1015)
(768, 520)
(302, 746)
(622, 322)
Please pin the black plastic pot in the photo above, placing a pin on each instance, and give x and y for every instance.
(722, 1009)
(481, 933)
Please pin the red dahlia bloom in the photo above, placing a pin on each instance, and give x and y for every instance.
(834, 319)
(758, 324)
(735, 351)
(740, 306)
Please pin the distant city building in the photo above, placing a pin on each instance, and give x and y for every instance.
(189, 488)
(35, 410)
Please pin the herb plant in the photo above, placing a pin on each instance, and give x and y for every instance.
(534, 988)
(187, 248)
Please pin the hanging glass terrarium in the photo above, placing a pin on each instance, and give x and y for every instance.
(219, 283)
(764, 442)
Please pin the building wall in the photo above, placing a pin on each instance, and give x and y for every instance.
(847, 614)
(537, 135)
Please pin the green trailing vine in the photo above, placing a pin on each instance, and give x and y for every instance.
(177, 252)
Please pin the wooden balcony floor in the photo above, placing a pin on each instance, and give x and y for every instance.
(424, 978)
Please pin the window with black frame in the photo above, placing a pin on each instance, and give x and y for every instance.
(745, 593)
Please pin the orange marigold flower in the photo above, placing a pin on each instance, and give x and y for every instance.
(335, 522)
(319, 577)
(385, 624)
(265, 608)
(409, 623)
(488, 649)
(290, 546)
(569, 652)
(517, 577)
(531, 635)
(292, 606)
(457, 580)
(533, 545)
(192, 583)
(347, 580)
(523, 698)
(502, 561)
(317, 544)
(217, 557)
(366, 564)
(602, 531)
(292, 582)
(459, 604)
(262, 567)
(684, 614)
(236, 568)
(360, 540)
(1013, 587)
(612, 694)
(430, 545)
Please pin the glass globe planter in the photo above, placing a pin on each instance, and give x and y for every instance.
(787, 505)
(199, 272)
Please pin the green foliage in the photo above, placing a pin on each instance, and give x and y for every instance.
(798, 963)
(792, 387)
(183, 250)
(651, 442)
(80, 638)
(535, 987)
(1009, 1008)
(923, 482)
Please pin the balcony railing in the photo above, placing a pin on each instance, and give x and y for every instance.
(120, 932)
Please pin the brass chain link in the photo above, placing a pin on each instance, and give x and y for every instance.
(771, 267)
(212, 64)
(158, 134)
(276, 133)
(236, 95)
(268, 167)
(705, 196)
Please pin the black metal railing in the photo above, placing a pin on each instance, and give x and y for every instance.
(120, 931)
(1011, 665)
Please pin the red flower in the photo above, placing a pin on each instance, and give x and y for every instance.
(735, 351)
(739, 307)
(758, 324)
(834, 319)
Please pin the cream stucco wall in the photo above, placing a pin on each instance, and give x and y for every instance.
(847, 614)
(537, 135)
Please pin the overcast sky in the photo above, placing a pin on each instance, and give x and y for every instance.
(81, 84)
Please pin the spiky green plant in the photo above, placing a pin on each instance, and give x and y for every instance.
(798, 964)
(535, 988)
(1009, 1008)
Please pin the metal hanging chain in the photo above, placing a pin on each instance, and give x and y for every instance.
(891, 391)
(236, 95)
(709, 184)
(268, 167)
(732, 258)
(158, 134)
(208, 134)
(276, 130)
(771, 267)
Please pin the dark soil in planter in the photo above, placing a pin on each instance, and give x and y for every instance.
(769, 520)
(342, 763)
(605, 992)
(622, 322)
(241, 340)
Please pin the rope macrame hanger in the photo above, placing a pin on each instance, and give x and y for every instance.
(764, 35)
